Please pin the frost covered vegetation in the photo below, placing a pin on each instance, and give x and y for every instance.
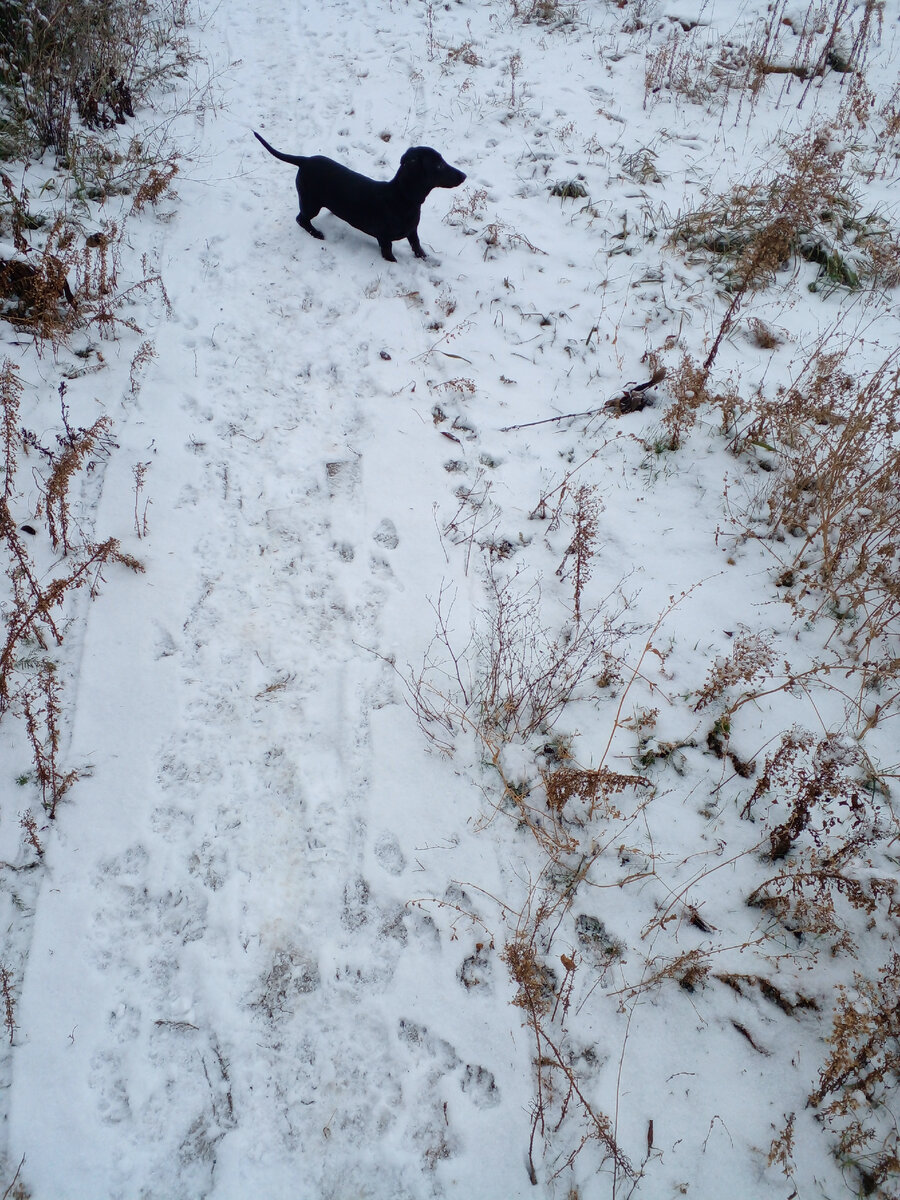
(478, 773)
(70, 75)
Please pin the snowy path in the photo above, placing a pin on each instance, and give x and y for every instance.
(219, 1044)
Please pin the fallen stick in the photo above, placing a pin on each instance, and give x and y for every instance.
(619, 404)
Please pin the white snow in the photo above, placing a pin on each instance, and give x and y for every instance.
(261, 955)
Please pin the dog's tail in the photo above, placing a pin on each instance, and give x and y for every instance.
(296, 159)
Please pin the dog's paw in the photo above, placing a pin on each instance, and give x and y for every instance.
(311, 229)
(480, 1086)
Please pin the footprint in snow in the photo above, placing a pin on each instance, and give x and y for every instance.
(479, 1085)
(165, 645)
(343, 476)
(393, 927)
(293, 974)
(132, 861)
(170, 822)
(426, 1045)
(386, 535)
(389, 855)
(359, 980)
(475, 971)
(124, 1022)
(356, 903)
(105, 1079)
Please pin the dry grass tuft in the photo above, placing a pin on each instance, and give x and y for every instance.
(594, 788)
(37, 600)
(524, 675)
(559, 1090)
(586, 507)
(9, 1009)
(834, 494)
(751, 658)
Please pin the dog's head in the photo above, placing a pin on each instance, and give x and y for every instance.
(424, 164)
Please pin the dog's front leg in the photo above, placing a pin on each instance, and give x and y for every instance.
(413, 239)
(305, 223)
(386, 251)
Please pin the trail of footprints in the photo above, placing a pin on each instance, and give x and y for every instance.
(258, 836)
(269, 1038)
(314, 1050)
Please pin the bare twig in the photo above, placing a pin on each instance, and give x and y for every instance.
(617, 405)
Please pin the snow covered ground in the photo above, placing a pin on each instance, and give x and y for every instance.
(266, 952)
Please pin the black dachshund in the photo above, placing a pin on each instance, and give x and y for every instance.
(387, 211)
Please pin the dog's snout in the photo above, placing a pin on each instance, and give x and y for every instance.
(453, 177)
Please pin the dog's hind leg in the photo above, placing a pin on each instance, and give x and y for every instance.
(308, 210)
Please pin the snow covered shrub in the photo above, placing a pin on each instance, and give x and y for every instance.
(499, 235)
(41, 704)
(515, 676)
(6, 991)
(65, 279)
(34, 286)
(860, 1080)
(75, 446)
(586, 507)
(757, 227)
(467, 206)
(828, 508)
(751, 657)
(693, 65)
(817, 779)
(544, 12)
(689, 386)
(641, 166)
(101, 300)
(887, 134)
(834, 494)
(822, 822)
(593, 788)
(786, 44)
(569, 189)
(835, 36)
(93, 59)
(806, 209)
(56, 276)
(140, 169)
